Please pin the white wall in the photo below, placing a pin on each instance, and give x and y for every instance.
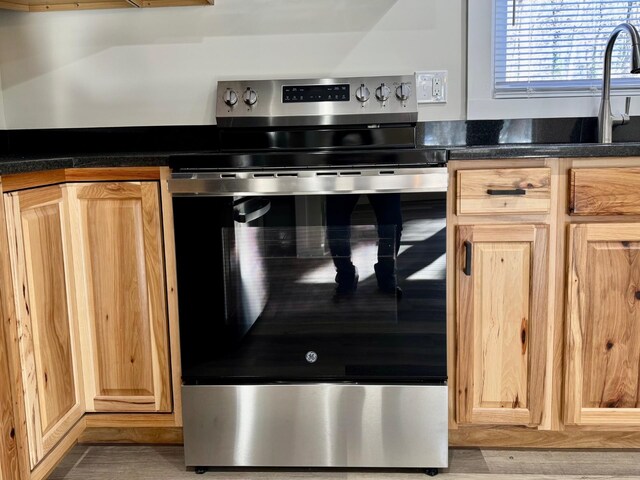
(160, 66)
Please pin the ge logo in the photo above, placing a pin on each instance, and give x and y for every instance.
(311, 356)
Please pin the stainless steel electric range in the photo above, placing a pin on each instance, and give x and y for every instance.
(311, 280)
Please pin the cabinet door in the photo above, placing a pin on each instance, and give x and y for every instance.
(47, 329)
(118, 248)
(502, 320)
(9, 457)
(602, 375)
(7, 426)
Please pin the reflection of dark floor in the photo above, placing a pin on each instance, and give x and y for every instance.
(294, 304)
(296, 308)
(299, 306)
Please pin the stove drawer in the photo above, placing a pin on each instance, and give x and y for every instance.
(316, 425)
(505, 190)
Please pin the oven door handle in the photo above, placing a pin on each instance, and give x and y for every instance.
(263, 183)
(250, 209)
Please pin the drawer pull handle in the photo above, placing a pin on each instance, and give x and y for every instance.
(515, 191)
(468, 251)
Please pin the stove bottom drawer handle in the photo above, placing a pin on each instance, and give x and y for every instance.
(468, 249)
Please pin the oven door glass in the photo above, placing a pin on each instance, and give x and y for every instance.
(312, 288)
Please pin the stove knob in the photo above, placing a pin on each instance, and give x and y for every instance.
(362, 93)
(383, 92)
(403, 92)
(230, 97)
(250, 97)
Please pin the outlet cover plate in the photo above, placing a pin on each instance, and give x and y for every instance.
(431, 86)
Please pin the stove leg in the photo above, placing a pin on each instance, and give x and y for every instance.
(201, 470)
(432, 472)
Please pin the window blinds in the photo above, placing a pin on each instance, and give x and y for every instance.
(556, 47)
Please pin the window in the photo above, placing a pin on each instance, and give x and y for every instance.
(546, 48)
(546, 60)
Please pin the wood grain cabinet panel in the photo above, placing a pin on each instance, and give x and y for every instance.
(118, 250)
(602, 374)
(605, 191)
(504, 190)
(7, 425)
(45, 308)
(502, 321)
(9, 456)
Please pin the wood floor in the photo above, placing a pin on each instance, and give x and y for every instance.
(166, 462)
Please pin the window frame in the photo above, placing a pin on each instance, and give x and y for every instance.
(481, 101)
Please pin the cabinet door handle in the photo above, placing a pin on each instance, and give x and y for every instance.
(468, 251)
(515, 191)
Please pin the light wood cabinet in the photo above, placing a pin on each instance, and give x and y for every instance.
(602, 377)
(85, 303)
(57, 5)
(503, 191)
(43, 286)
(9, 459)
(576, 357)
(7, 426)
(501, 275)
(118, 254)
(605, 191)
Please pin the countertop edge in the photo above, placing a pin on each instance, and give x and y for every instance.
(12, 166)
(513, 151)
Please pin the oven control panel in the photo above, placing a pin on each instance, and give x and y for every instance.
(317, 102)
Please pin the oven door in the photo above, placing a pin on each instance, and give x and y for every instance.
(312, 276)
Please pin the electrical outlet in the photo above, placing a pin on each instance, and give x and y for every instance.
(437, 87)
(431, 86)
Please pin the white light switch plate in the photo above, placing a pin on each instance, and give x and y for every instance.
(431, 86)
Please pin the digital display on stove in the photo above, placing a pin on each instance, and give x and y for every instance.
(315, 93)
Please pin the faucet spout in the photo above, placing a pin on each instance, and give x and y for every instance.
(606, 120)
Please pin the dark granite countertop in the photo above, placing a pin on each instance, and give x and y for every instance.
(33, 163)
(23, 151)
(515, 151)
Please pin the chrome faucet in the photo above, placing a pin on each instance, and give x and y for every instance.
(606, 119)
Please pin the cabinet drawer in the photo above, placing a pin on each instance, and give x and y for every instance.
(605, 191)
(505, 190)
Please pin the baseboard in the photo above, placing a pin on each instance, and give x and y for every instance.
(50, 462)
(132, 435)
(505, 437)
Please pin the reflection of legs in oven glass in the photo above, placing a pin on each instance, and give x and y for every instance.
(387, 208)
(339, 209)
